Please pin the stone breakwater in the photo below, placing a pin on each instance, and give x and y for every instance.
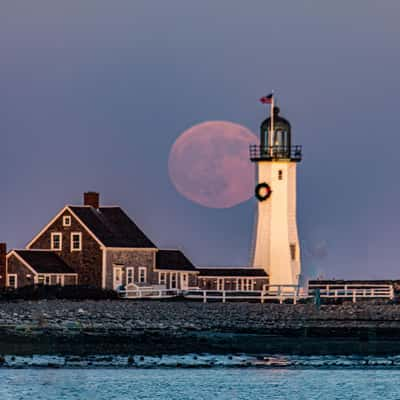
(157, 327)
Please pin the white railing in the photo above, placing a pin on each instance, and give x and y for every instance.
(259, 295)
(281, 293)
(148, 293)
(352, 291)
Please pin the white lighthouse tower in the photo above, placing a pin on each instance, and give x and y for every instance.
(276, 243)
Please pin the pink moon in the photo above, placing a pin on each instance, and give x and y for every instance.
(209, 164)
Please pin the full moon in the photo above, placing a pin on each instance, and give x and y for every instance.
(209, 164)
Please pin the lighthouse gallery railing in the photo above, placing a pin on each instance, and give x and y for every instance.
(259, 153)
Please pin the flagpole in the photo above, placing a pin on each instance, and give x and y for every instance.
(271, 139)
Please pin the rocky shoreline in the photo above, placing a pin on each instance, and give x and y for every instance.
(161, 327)
(199, 361)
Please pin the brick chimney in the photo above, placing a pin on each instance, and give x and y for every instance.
(3, 254)
(91, 199)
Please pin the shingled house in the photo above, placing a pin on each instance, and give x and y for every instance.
(102, 247)
(96, 246)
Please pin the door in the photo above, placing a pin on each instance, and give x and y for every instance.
(117, 277)
(184, 281)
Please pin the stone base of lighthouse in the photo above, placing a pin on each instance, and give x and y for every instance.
(276, 243)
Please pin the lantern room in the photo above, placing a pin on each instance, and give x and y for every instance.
(275, 140)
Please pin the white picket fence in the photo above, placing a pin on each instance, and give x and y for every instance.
(232, 295)
(148, 293)
(353, 291)
(280, 293)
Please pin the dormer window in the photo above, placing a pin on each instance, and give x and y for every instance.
(66, 220)
(56, 241)
(76, 241)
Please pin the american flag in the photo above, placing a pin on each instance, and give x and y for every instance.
(267, 99)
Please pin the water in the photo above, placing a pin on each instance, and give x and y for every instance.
(198, 384)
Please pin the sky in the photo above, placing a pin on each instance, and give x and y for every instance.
(94, 93)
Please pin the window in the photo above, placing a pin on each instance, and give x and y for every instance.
(44, 279)
(67, 220)
(162, 278)
(12, 280)
(173, 281)
(281, 139)
(266, 139)
(117, 276)
(129, 275)
(142, 274)
(293, 251)
(280, 174)
(76, 241)
(56, 241)
(249, 284)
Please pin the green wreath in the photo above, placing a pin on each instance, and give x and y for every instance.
(263, 187)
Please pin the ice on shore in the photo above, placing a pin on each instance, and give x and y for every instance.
(198, 361)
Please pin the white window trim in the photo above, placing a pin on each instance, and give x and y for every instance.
(45, 276)
(144, 275)
(162, 278)
(174, 278)
(60, 279)
(80, 241)
(16, 280)
(66, 220)
(127, 275)
(54, 234)
(120, 269)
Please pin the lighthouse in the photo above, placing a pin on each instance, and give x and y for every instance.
(276, 246)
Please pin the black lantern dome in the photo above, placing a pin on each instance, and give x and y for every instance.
(277, 144)
(282, 131)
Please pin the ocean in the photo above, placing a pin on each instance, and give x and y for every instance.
(179, 383)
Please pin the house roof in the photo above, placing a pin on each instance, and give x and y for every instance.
(173, 260)
(232, 272)
(112, 227)
(324, 282)
(45, 262)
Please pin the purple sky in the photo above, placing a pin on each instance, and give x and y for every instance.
(94, 93)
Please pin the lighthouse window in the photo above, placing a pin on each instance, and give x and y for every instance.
(280, 174)
(293, 251)
(265, 141)
(281, 138)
